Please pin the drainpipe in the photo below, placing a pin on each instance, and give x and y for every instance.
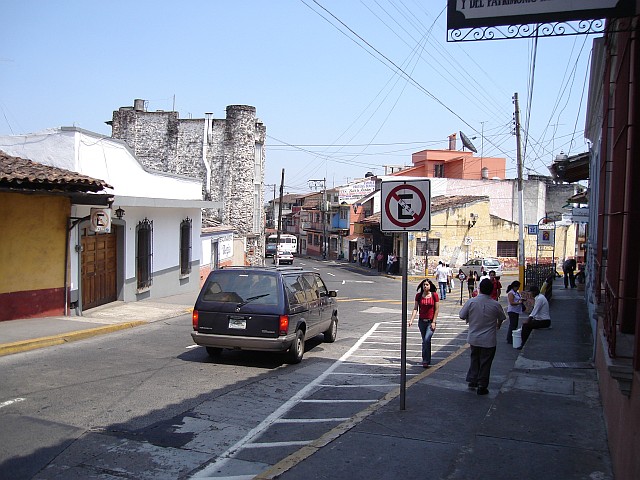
(66, 269)
(78, 249)
(208, 122)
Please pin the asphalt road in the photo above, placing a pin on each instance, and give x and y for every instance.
(147, 403)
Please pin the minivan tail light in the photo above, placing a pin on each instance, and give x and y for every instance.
(284, 324)
(194, 319)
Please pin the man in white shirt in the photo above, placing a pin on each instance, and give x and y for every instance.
(484, 316)
(442, 279)
(539, 316)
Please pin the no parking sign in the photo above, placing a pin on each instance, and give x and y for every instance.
(406, 205)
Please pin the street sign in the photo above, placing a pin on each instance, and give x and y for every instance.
(100, 220)
(406, 205)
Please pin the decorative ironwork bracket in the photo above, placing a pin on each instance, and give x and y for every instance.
(555, 29)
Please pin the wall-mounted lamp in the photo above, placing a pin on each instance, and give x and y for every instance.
(119, 213)
(474, 219)
(356, 206)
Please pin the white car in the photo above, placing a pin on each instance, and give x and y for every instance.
(283, 258)
(488, 263)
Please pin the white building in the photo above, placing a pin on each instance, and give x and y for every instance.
(153, 248)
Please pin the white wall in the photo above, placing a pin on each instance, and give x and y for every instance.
(102, 158)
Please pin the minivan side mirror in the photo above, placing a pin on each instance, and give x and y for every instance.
(333, 293)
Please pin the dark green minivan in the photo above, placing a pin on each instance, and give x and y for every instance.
(263, 308)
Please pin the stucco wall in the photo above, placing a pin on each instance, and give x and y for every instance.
(451, 227)
(32, 253)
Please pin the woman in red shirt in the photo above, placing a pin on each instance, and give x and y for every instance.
(427, 304)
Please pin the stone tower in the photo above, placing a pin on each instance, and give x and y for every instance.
(226, 154)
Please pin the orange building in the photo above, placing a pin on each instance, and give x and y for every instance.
(453, 163)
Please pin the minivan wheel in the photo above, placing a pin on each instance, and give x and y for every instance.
(296, 350)
(331, 332)
(214, 351)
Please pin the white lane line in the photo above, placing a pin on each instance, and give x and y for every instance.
(191, 346)
(329, 273)
(312, 420)
(212, 468)
(364, 385)
(11, 402)
(337, 400)
(275, 444)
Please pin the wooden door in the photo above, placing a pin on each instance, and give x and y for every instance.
(99, 267)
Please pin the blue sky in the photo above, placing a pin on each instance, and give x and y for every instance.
(324, 77)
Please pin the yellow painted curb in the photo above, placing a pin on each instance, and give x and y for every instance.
(305, 452)
(26, 345)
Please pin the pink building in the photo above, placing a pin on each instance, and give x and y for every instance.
(453, 163)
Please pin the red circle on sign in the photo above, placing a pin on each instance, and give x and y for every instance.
(416, 217)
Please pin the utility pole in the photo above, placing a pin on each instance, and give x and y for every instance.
(277, 254)
(323, 210)
(273, 207)
(521, 252)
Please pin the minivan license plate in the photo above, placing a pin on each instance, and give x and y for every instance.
(238, 323)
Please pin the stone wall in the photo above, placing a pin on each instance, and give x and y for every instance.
(220, 152)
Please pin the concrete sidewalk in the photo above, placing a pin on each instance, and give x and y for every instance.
(28, 334)
(542, 418)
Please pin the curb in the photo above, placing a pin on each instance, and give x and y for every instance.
(26, 345)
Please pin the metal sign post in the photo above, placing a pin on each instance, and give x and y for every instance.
(406, 206)
(462, 278)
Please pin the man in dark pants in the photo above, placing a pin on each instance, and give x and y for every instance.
(569, 268)
(484, 316)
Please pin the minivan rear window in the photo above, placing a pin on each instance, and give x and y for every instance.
(255, 288)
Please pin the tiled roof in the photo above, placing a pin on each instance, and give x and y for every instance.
(23, 174)
(439, 203)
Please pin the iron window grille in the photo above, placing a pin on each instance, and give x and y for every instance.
(433, 250)
(507, 249)
(144, 254)
(185, 246)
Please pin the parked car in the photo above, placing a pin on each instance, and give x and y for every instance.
(264, 308)
(488, 263)
(284, 258)
(270, 250)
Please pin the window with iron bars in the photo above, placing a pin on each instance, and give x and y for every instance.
(507, 249)
(185, 246)
(434, 247)
(144, 254)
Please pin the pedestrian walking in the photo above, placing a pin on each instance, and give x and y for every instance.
(539, 316)
(380, 261)
(426, 306)
(471, 282)
(442, 279)
(514, 308)
(497, 286)
(484, 316)
(449, 277)
(391, 258)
